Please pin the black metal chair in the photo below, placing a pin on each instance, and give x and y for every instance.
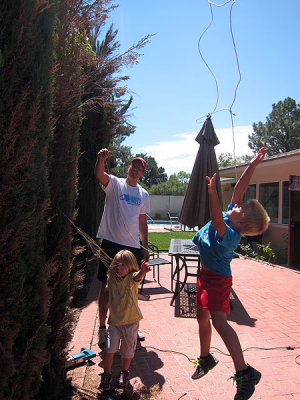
(155, 261)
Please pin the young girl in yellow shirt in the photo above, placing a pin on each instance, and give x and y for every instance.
(124, 277)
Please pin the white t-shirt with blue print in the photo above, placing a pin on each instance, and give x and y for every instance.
(216, 253)
(123, 206)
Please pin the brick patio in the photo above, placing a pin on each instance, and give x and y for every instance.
(266, 314)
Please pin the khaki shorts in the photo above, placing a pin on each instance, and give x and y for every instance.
(127, 335)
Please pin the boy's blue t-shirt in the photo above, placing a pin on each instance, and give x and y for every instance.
(216, 253)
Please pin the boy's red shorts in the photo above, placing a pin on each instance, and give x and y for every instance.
(213, 291)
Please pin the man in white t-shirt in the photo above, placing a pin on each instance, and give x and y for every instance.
(123, 224)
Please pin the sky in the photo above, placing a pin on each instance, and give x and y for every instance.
(172, 88)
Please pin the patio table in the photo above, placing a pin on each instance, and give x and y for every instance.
(184, 251)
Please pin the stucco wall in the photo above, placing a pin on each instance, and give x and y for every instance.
(273, 169)
(161, 205)
(277, 235)
(227, 191)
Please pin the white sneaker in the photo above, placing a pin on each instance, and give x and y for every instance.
(140, 336)
(101, 337)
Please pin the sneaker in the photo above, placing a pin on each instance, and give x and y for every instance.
(106, 381)
(245, 383)
(124, 378)
(101, 337)
(140, 336)
(204, 364)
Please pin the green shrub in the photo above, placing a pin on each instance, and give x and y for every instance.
(258, 251)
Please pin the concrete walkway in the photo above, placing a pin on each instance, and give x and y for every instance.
(265, 315)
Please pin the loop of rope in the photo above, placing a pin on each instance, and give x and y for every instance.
(216, 82)
(208, 67)
(220, 5)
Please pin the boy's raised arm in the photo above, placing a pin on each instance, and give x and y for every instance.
(242, 184)
(215, 210)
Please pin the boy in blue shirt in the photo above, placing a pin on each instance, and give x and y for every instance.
(217, 241)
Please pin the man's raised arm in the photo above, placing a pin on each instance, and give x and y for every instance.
(100, 174)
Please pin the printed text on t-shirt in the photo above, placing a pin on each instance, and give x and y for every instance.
(131, 199)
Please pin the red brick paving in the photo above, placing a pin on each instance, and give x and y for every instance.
(266, 314)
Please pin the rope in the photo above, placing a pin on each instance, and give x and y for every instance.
(210, 70)
(227, 354)
(111, 271)
(230, 109)
(107, 260)
(208, 67)
(220, 5)
(237, 58)
(236, 88)
(98, 253)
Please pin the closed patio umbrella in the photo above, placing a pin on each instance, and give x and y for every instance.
(195, 208)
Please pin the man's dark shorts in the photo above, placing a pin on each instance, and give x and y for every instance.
(111, 249)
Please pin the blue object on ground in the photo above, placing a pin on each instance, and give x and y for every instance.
(84, 355)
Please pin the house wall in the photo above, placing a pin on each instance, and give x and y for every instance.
(277, 235)
(270, 170)
(274, 169)
(161, 205)
(227, 190)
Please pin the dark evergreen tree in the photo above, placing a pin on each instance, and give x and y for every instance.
(26, 46)
(281, 132)
(153, 174)
(74, 59)
(227, 160)
(121, 156)
(105, 119)
(48, 68)
(63, 177)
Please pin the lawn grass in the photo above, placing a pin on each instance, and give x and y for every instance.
(162, 239)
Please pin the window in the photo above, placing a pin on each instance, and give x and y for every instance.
(285, 202)
(250, 193)
(268, 197)
(295, 217)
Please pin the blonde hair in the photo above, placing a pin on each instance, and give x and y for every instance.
(256, 219)
(127, 258)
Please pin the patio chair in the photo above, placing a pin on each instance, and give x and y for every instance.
(155, 261)
(174, 221)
